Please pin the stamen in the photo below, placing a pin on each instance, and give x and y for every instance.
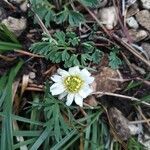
(73, 83)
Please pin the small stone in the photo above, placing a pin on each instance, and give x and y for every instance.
(108, 17)
(143, 17)
(134, 130)
(146, 47)
(146, 4)
(132, 23)
(120, 123)
(130, 2)
(138, 35)
(24, 6)
(32, 75)
(145, 140)
(103, 82)
(132, 10)
(2, 13)
(16, 25)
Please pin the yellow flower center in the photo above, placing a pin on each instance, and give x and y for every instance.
(73, 83)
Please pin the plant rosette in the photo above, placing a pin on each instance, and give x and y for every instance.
(75, 84)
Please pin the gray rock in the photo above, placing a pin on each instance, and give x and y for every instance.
(138, 35)
(146, 47)
(108, 17)
(145, 140)
(120, 123)
(143, 17)
(130, 2)
(24, 6)
(32, 75)
(2, 13)
(132, 23)
(132, 10)
(16, 25)
(146, 4)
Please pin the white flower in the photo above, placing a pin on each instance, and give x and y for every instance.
(75, 84)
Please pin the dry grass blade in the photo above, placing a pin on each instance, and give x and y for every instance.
(143, 81)
(42, 25)
(7, 58)
(143, 116)
(139, 121)
(19, 138)
(15, 87)
(34, 89)
(28, 53)
(128, 63)
(25, 81)
(90, 35)
(121, 96)
(13, 7)
(15, 125)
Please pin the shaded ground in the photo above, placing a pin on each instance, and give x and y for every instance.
(116, 115)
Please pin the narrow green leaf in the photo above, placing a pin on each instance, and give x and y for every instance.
(7, 46)
(27, 142)
(45, 134)
(9, 34)
(27, 133)
(64, 140)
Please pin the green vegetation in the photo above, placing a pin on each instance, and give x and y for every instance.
(37, 120)
(67, 48)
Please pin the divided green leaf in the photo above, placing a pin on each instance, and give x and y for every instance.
(67, 48)
(114, 60)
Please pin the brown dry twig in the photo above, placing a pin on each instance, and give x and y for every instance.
(22, 52)
(121, 96)
(142, 115)
(7, 58)
(116, 38)
(34, 89)
(143, 81)
(10, 5)
(128, 63)
(131, 49)
(139, 121)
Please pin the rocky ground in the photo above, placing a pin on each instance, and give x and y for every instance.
(125, 23)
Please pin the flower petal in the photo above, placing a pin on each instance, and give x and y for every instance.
(79, 100)
(62, 95)
(88, 80)
(56, 78)
(74, 70)
(85, 72)
(55, 85)
(86, 76)
(57, 91)
(85, 91)
(62, 72)
(70, 98)
(57, 88)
